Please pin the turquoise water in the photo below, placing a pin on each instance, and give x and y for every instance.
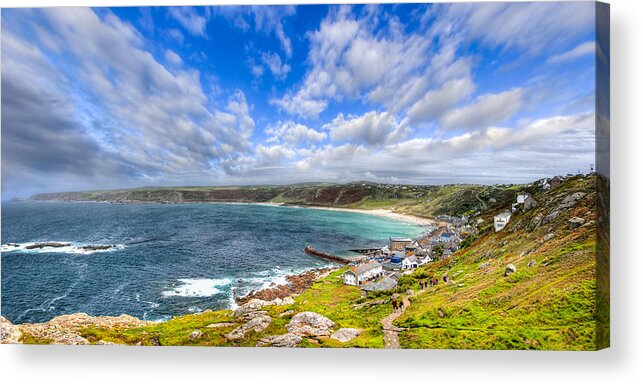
(169, 259)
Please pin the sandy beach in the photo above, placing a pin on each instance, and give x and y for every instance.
(382, 213)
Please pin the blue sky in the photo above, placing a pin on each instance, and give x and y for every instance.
(408, 93)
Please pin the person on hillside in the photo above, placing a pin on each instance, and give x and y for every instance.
(394, 305)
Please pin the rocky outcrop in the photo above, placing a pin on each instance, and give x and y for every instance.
(345, 334)
(288, 340)
(509, 269)
(47, 245)
(66, 329)
(295, 285)
(310, 324)
(195, 335)
(575, 222)
(9, 333)
(257, 324)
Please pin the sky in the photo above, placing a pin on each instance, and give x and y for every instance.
(105, 98)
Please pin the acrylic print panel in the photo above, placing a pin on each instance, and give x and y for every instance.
(429, 176)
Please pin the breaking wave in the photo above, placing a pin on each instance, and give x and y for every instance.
(60, 247)
(197, 288)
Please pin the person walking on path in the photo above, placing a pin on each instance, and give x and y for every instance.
(394, 305)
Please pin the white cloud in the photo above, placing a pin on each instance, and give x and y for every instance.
(294, 133)
(173, 58)
(372, 128)
(437, 102)
(176, 35)
(373, 58)
(270, 20)
(273, 62)
(190, 19)
(587, 48)
(531, 27)
(486, 110)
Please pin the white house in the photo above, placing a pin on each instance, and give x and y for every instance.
(425, 260)
(522, 196)
(362, 272)
(410, 262)
(499, 221)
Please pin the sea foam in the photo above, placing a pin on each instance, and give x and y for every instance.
(72, 248)
(197, 288)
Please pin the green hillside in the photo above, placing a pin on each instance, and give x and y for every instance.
(548, 303)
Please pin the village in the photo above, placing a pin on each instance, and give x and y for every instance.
(381, 268)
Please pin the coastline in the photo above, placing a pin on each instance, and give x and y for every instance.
(388, 213)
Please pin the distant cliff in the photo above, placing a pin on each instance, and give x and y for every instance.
(419, 200)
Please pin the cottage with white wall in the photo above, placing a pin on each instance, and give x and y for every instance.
(410, 262)
(499, 221)
(357, 275)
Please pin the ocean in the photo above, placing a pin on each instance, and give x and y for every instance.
(168, 260)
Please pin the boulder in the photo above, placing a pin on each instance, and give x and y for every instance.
(310, 324)
(195, 335)
(484, 265)
(531, 263)
(258, 324)
(345, 334)
(9, 333)
(286, 313)
(409, 291)
(288, 340)
(548, 237)
(509, 269)
(253, 305)
(575, 222)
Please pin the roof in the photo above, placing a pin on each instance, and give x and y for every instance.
(504, 215)
(412, 259)
(400, 239)
(447, 234)
(524, 194)
(362, 268)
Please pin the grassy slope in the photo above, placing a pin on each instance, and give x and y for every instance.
(548, 306)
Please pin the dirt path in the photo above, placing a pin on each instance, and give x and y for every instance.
(391, 340)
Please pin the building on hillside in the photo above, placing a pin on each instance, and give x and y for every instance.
(425, 260)
(522, 196)
(555, 181)
(398, 243)
(363, 272)
(499, 221)
(410, 262)
(446, 237)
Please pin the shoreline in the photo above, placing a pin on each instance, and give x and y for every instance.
(380, 212)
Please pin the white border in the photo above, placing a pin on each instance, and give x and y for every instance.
(622, 363)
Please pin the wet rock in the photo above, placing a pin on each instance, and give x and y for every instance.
(345, 334)
(47, 245)
(288, 340)
(310, 324)
(509, 269)
(9, 333)
(258, 324)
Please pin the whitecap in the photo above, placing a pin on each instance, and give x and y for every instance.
(197, 288)
(69, 247)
